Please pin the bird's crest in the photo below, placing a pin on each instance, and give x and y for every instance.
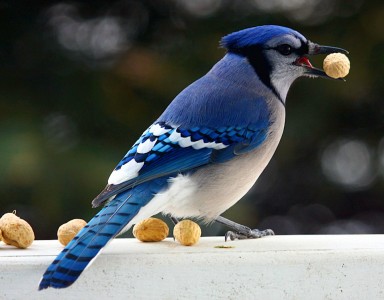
(256, 36)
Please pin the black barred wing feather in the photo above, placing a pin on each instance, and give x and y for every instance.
(165, 150)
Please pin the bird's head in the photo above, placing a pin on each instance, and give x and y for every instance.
(279, 55)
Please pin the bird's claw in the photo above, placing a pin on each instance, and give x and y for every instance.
(251, 234)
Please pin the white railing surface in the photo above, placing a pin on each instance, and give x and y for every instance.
(276, 267)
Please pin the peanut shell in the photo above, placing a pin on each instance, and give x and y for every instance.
(68, 231)
(187, 232)
(151, 230)
(336, 65)
(15, 231)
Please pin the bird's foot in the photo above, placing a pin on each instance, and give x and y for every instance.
(241, 232)
(251, 234)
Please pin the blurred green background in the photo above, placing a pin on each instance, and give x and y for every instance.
(81, 80)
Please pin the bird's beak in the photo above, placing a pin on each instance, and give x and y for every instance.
(315, 49)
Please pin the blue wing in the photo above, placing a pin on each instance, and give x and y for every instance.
(168, 150)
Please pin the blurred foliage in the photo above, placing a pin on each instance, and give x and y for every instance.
(81, 80)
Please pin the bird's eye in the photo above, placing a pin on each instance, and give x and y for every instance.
(284, 49)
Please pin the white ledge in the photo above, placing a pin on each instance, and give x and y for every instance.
(277, 267)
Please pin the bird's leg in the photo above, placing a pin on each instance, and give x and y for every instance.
(174, 220)
(242, 232)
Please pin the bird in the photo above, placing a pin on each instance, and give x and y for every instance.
(206, 150)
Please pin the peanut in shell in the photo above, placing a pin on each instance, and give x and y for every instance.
(68, 231)
(151, 230)
(187, 232)
(336, 65)
(16, 231)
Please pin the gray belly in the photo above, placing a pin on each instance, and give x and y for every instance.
(218, 187)
(212, 190)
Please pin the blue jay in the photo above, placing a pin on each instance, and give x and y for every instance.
(206, 150)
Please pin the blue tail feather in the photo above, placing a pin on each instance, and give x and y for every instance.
(75, 257)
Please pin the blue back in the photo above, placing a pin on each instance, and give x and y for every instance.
(223, 97)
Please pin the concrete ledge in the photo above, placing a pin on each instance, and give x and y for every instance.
(278, 267)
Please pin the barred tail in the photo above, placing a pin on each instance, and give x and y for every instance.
(76, 256)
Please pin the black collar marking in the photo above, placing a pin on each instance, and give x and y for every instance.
(260, 64)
